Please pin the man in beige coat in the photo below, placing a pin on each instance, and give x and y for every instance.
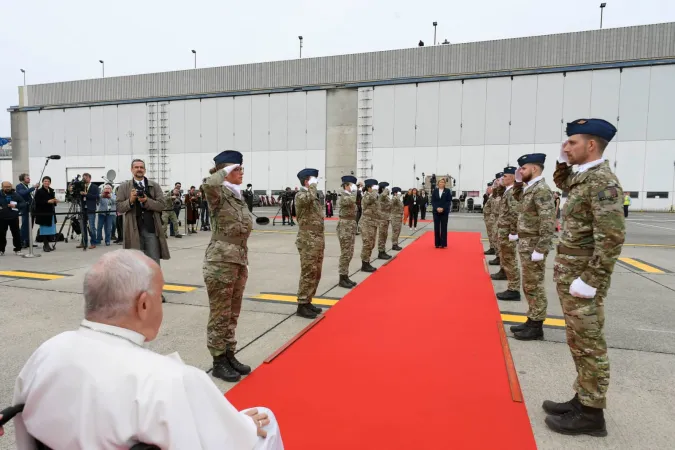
(141, 202)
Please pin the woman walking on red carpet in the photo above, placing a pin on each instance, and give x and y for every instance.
(441, 198)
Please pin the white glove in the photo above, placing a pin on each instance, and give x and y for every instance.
(519, 176)
(563, 156)
(313, 180)
(580, 289)
(536, 256)
(229, 169)
(353, 188)
(513, 237)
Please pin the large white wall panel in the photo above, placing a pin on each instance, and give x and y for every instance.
(315, 159)
(633, 104)
(404, 115)
(516, 151)
(426, 132)
(209, 126)
(97, 131)
(383, 164)
(248, 167)
(383, 116)
(176, 129)
(605, 95)
(178, 171)
(58, 120)
(316, 120)
(260, 173)
(498, 110)
(523, 109)
(297, 160)
(225, 123)
(473, 112)
(577, 98)
(297, 121)
(471, 172)
(278, 170)
(45, 133)
(77, 131)
(139, 130)
(549, 108)
(496, 158)
(629, 157)
(659, 160)
(661, 125)
(242, 123)
(403, 171)
(448, 161)
(426, 159)
(450, 113)
(552, 151)
(260, 122)
(278, 125)
(34, 129)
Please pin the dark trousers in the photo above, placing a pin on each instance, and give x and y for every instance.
(13, 225)
(625, 210)
(412, 218)
(423, 212)
(204, 211)
(441, 229)
(120, 228)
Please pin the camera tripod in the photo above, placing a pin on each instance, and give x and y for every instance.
(287, 209)
(76, 220)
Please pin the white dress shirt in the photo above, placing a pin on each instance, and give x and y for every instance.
(584, 167)
(99, 388)
(532, 181)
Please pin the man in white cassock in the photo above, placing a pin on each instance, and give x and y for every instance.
(98, 388)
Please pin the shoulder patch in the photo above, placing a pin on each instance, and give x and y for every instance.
(608, 193)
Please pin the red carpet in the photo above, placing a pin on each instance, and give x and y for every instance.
(401, 365)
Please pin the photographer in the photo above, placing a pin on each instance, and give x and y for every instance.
(286, 199)
(169, 214)
(89, 195)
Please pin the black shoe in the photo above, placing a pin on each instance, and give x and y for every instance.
(306, 311)
(223, 369)
(344, 282)
(366, 267)
(489, 252)
(396, 247)
(163, 299)
(585, 420)
(315, 308)
(46, 248)
(520, 327)
(236, 365)
(508, 295)
(383, 255)
(534, 331)
(558, 409)
(353, 283)
(499, 275)
(495, 262)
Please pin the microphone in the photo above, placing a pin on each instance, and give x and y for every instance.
(54, 157)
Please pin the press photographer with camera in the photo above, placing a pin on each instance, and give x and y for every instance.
(88, 198)
(142, 201)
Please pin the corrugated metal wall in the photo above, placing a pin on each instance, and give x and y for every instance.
(589, 47)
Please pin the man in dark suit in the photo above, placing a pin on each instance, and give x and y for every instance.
(441, 199)
(90, 197)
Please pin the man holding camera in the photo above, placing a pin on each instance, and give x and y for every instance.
(169, 213)
(142, 201)
(89, 195)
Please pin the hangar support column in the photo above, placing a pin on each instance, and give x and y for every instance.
(341, 135)
(19, 130)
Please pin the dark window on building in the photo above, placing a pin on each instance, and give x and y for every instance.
(657, 195)
(634, 195)
(260, 192)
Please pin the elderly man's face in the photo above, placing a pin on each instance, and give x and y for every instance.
(6, 186)
(149, 306)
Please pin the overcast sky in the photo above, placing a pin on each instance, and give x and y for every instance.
(63, 40)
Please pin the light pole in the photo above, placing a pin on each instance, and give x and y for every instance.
(602, 8)
(435, 24)
(195, 53)
(24, 76)
(102, 66)
(300, 38)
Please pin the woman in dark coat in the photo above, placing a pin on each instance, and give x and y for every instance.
(45, 206)
(441, 199)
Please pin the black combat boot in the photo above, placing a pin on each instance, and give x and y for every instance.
(501, 275)
(489, 252)
(396, 247)
(352, 282)
(305, 310)
(236, 365)
(383, 255)
(366, 267)
(558, 409)
(582, 420)
(315, 308)
(507, 295)
(223, 369)
(344, 282)
(533, 331)
(520, 327)
(495, 262)
(163, 299)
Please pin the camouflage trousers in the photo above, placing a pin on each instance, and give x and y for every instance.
(169, 216)
(382, 233)
(368, 235)
(346, 232)
(489, 226)
(509, 262)
(584, 324)
(396, 224)
(225, 284)
(310, 245)
(495, 236)
(533, 285)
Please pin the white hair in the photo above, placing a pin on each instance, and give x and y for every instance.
(115, 281)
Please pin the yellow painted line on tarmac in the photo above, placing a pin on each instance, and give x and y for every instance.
(522, 318)
(327, 234)
(30, 275)
(293, 299)
(179, 288)
(641, 265)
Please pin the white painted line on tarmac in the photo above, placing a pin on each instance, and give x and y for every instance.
(652, 226)
(656, 331)
(650, 220)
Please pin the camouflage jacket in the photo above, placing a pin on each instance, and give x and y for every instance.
(509, 208)
(231, 223)
(396, 208)
(370, 210)
(310, 212)
(384, 205)
(536, 221)
(593, 218)
(487, 209)
(347, 206)
(497, 194)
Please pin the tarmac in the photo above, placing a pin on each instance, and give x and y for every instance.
(41, 297)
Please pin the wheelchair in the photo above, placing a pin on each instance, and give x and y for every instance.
(9, 413)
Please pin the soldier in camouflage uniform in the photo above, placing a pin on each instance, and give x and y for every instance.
(536, 225)
(396, 217)
(497, 195)
(169, 215)
(346, 229)
(384, 207)
(310, 241)
(226, 262)
(590, 243)
(507, 226)
(368, 223)
(487, 219)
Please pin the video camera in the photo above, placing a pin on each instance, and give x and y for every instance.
(76, 186)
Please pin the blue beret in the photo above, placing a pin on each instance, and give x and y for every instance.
(229, 157)
(395, 190)
(349, 179)
(490, 183)
(509, 170)
(370, 182)
(595, 127)
(383, 184)
(499, 175)
(534, 158)
(304, 173)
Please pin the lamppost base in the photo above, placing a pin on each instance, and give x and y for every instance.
(31, 255)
